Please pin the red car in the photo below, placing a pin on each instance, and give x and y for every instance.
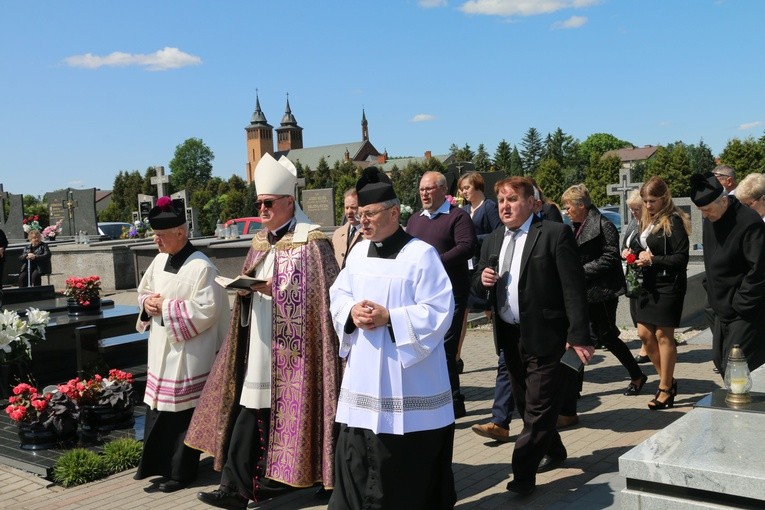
(246, 225)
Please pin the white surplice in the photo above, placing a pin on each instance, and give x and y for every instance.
(256, 392)
(397, 386)
(184, 340)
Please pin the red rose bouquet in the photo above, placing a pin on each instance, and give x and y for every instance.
(634, 277)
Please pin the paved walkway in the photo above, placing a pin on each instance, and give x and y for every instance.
(610, 425)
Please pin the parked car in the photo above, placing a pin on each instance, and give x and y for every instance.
(112, 229)
(248, 225)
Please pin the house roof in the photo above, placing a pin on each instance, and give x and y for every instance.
(310, 156)
(633, 154)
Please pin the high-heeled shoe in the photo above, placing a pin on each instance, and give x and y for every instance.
(633, 389)
(656, 404)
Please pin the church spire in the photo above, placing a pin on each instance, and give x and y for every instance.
(364, 127)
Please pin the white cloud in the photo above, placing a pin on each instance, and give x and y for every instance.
(423, 117)
(572, 22)
(162, 60)
(522, 7)
(431, 4)
(750, 125)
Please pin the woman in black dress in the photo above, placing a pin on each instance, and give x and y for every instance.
(662, 253)
(635, 205)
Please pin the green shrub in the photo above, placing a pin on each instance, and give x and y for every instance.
(121, 454)
(78, 466)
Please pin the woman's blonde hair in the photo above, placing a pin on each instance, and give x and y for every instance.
(656, 187)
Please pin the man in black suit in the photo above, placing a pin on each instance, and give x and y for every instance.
(537, 292)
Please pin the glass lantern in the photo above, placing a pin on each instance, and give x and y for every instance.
(738, 380)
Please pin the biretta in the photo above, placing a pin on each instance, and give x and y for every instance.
(374, 186)
(705, 189)
(164, 215)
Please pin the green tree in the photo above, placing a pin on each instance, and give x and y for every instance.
(516, 163)
(700, 158)
(502, 157)
(124, 199)
(532, 151)
(481, 160)
(36, 207)
(191, 166)
(549, 178)
(598, 144)
(746, 156)
(599, 174)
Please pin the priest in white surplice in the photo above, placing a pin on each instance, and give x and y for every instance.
(187, 314)
(391, 305)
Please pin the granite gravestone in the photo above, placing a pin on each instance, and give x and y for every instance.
(684, 203)
(319, 205)
(181, 202)
(145, 203)
(76, 208)
(14, 224)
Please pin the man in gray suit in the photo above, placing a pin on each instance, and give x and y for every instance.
(537, 291)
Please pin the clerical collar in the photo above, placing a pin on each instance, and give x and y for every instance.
(174, 262)
(444, 209)
(277, 234)
(389, 247)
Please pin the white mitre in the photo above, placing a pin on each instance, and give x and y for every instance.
(280, 178)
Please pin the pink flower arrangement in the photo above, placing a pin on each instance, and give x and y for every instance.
(26, 405)
(83, 289)
(51, 231)
(115, 390)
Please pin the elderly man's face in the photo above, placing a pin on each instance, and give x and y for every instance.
(715, 210)
(514, 208)
(377, 221)
(351, 207)
(431, 194)
(275, 210)
(170, 240)
(726, 180)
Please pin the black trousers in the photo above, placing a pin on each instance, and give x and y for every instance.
(412, 471)
(747, 334)
(451, 342)
(603, 323)
(537, 383)
(164, 452)
(245, 466)
(36, 278)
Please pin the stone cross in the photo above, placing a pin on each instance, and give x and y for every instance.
(159, 180)
(622, 190)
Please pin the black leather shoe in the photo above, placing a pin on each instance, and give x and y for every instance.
(642, 358)
(223, 499)
(172, 485)
(633, 389)
(521, 488)
(549, 463)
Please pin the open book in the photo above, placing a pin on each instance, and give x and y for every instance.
(240, 282)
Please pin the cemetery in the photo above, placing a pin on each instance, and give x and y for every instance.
(85, 344)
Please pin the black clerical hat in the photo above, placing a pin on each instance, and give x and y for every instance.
(705, 189)
(165, 215)
(374, 187)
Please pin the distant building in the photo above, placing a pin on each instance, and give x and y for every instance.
(632, 156)
(289, 143)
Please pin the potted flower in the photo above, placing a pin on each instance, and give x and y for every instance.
(51, 231)
(84, 295)
(105, 403)
(406, 212)
(45, 420)
(17, 336)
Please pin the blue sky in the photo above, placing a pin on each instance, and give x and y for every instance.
(90, 88)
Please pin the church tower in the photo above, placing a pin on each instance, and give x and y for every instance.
(364, 127)
(260, 139)
(289, 135)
